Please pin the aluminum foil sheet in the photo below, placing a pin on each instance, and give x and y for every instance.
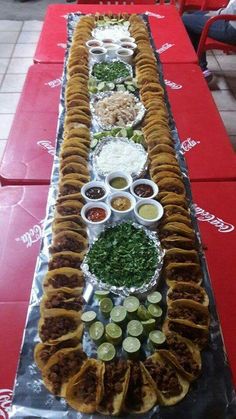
(109, 140)
(211, 396)
(112, 60)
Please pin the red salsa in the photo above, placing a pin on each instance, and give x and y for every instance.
(143, 190)
(95, 192)
(96, 214)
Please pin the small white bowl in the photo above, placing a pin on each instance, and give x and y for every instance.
(106, 41)
(126, 39)
(98, 53)
(94, 43)
(144, 182)
(121, 214)
(90, 205)
(116, 174)
(94, 184)
(111, 49)
(144, 221)
(128, 45)
(125, 55)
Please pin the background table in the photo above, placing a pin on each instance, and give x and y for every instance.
(168, 31)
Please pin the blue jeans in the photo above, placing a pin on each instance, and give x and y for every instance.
(220, 30)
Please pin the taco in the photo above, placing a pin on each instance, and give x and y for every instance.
(190, 313)
(172, 209)
(183, 291)
(164, 174)
(171, 198)
(115, 385)
(43, 352)
(184, 355)
(68, 241)
(58, 226)
(199, 336)
(177, 228)
(141, 395)
(160, 148)
(67, 280)
(183, 272)
(60, 325)
(65, 260)
(61, 366)
(176, 218)
(84, 391)
(170, 386)
(176, 255)
(74, 167)
(178, 241)
(172, 184)
(73, 159)
(68, 210)
(61, 300)
(72, 148)
(70, 187)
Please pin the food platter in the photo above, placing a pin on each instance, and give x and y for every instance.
(90, 349)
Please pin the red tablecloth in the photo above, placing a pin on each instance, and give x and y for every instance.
(205, 141)
(168, 31)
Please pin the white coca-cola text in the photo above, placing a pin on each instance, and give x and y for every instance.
(188, 144)
(173, 85)
(33, 235)
(220, 225)
(47, 145)
(54, 83)
(164, 47)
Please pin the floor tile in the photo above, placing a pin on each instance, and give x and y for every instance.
(32, 25)
(212, 63)
(230, 77)
(2, 147)
(1, 78)
(8, 102)
(229, 119)
(10, 25)
(5, 125)
(233, 141)
(6, 50)
(24, 50)
(219, 82)
(225, 100)
(218, 52)
(3, 64)
(19, 65)
(28, 37)
(13, 83)
(8, 37)
(227, 62)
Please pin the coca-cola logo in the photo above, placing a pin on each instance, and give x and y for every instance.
(164, 47)
(188, 144)
(54, 83)
(47, 145)
(5, 402)
(218, 223)
(62, 45)
(173, 85)
(155, 15)
(33, 235)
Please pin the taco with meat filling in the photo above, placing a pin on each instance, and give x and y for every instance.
(171, 198)
(74, 167)
(65, 260)
(68, 241)
(43, 352)
(183, 272)
(182, 291)
(58, 226)
(68, 210)
(178, 229)
(141, 394)
(61, 366)
(176, 218)
(59, 325)
(180, 255)
(198, 335)
(84, 391)
(67, 280)
(61, 300)
(178, 241)
(190, 313)
(170, 386)
(74, 158)
(115, 385)
(70, 188)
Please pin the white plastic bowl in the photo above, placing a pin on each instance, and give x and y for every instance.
(144, 221)
(144, 182)
(126, 39)
(111, 49)
(128, 45)
(125, 55)
(113, 175)
(90, 205)
(121, 214)
(93, 184)
(90, 43)
(95, 55)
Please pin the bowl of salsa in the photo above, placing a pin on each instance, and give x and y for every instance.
(143, 189)
(94, 191)
(121, 204)
(95, 213)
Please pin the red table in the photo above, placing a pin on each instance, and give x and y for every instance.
(215, 205)
(168, 31)
(205, 141)
(28, 155)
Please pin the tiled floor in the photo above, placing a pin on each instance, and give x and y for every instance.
(17, 45)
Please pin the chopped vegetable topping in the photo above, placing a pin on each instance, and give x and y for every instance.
(110, 71)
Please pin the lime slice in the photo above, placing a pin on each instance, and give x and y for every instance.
(106, 306)
(135, 329)
(154, 298)
(157, 337)
(131, 88)
(113, 333)
(118, 314)
(100, 86)
(111, 86)
(93, 143)
(131, 304)
(142, 313)
(88, 317)
(149, 325)
(101, 294)
(155, 311)
(120, 88)
(129, 132)
(131, 346)
(106, 352)
(96, 331)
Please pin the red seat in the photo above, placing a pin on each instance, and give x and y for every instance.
(186, 5)
(118, 2)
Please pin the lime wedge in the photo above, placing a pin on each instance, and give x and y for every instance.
(154, 298)
(131, 346)
(155, 311)
(135, 329)
(157, 337)
(113, 333)
(118, 314)
(93, 143)
(142, 313)
(149, 325)
(101, 294)
(131, 304)
(88, 317)
(106, 306)
(96, 331)
(106, 352)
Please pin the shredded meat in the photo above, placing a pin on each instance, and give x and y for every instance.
(179, 258)
(189, 293)
(68, 210)
(68, 189)
(63, 261)
(113, 379)
(67, 244)
(185, 273)
(134, 397)
(60, 281)
(86, 389)
(197, 336)
(118, 109)
(183, 354)
(188, 313)
(55, 327)
(165, 378)
(62, 300)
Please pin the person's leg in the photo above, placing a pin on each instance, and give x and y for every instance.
(223, 31)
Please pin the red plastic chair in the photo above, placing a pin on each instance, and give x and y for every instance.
(186, 5)
(206, 42)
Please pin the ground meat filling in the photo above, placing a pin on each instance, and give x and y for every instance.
(69, 189)
(182, 243)
(67, 244)
(186, 294)
(62, 300)
(68, 210)
(113, 383)
(134, 397)
(174, 211)
(60, 281)
(48, 350)
(64, 261)
(165, 378)
(185, 274)
(187, 313)
(183, 355)
(197, 336)
(87, 386)
(55, 327)
(67, 365)
(179, 258)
